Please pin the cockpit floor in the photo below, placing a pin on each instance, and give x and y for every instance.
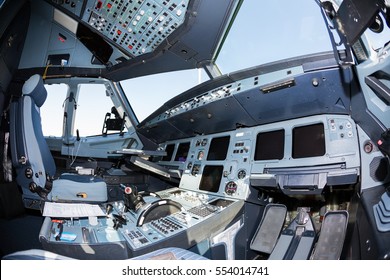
(20, 233)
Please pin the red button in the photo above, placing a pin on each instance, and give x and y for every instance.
(128, 190)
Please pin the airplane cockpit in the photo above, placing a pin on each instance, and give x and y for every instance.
(123, 136)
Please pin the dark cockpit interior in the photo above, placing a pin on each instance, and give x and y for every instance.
(284, 160)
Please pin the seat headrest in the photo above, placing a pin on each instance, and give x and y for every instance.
(35, 88)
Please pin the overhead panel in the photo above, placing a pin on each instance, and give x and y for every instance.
(138, 26)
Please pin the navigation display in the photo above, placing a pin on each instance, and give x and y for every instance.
(218, 148)
(169, 149)
(182, 152)
(211, 178)
(308, 141)
(270, 145)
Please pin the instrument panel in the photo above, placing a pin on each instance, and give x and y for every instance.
(139, 27)
(295, 156)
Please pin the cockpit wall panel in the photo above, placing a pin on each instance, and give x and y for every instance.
(126, 39)
(14, 18)
(50, 42)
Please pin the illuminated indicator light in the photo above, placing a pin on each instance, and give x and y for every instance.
(135, 22)
(142, 12)
(380, 142)
(150, 19)
(128, 190)
(119, 32)
(130, 47)
(61, 37)
(179, 12)
(109, 5)
(138, 17)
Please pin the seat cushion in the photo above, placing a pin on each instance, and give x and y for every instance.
(78, 188)
(170, 253)
(35, 254)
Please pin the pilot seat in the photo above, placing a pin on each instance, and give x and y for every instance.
(33, 161)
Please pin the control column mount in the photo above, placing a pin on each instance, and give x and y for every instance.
(133, 201)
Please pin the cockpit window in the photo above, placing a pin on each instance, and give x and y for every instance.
(90, 122)
(146, 94)
(259, 36)
(52, 111)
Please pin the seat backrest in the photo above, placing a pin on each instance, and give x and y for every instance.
(30, 153)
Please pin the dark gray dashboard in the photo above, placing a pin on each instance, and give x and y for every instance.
(266, 94)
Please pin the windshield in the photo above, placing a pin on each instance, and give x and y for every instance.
(266, 31)
(147, 94)
(263, 31)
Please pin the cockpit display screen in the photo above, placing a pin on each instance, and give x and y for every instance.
(169, 149)
(270, 145)
(218, 148)
(308, 141)
(211, 178)
(182, 152)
